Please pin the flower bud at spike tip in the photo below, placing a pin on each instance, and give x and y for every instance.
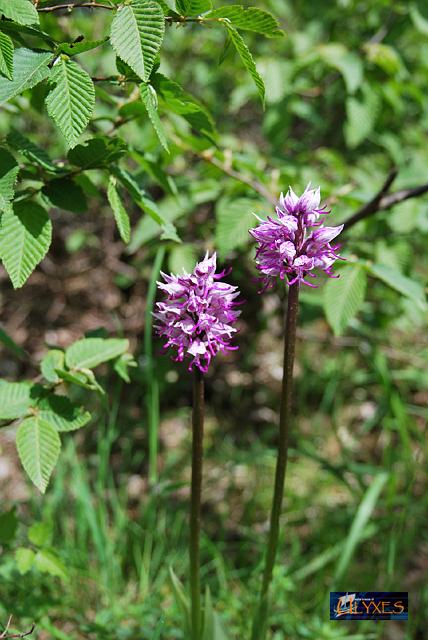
(294, 243)
(198, 313)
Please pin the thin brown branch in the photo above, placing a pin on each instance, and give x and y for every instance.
(76, 5)
(5, 634)
(228, 170)
(384, 200)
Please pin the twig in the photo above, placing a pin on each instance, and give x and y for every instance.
(254, 184)
(76, 5)
(5, 633)
(374, 204)
(384, 200)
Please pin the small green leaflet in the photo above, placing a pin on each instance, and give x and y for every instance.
(361, 118)
(66, 194)
(38, 447)
(29, 68)
(15, 399)
(148, 96)
(90, 352)
(234, 219)
(9, 170)
(53, 360)
(62, 414)
(20, 11)
(24, 559)
(349, 64)
(41, 533)
(36, 154)
(31, 229)
(6, 55)
(193, 7)
(74, 48)
(97, 152)
(136, 35)
(120, 214)
(344, 296)
(182, 256)
(71, 102)
(249, 19)
(247, 59)
(48, 562)
(401, 283)
(184, 104)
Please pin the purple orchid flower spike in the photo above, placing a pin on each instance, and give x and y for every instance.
(295, 243)
(198, 313)
(197, 318)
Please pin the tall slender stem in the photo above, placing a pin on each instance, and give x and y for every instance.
(260, 619)
(195, 501)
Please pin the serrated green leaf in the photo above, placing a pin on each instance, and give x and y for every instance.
(401, 283)
(36, 154)
(9, 170)
(24, 559)
(148, 97)
(136, 35)
(38, 447)
(247, 59)
(18, 30)
(48, 562)
(71, 102)
(62, 414)
(15, 399)
(120, 214)
(66, 194)
(347, 63)
(184, 104)
(74, 48)
(249, 19)
(344, 296)
(54, 359)
(25, 236)
(6, 55)
(20, 11)
(97, 152)
(193, 7)
(234, 219)
(29, 68)
(90, 352)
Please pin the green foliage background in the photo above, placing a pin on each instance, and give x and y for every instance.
(147, 161)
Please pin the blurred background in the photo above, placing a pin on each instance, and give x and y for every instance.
(346, 101)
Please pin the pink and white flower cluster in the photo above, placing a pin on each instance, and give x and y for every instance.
(198, 313)
(295, 243)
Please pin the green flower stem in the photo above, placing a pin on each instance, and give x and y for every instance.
(195, 502)
(260, 619)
